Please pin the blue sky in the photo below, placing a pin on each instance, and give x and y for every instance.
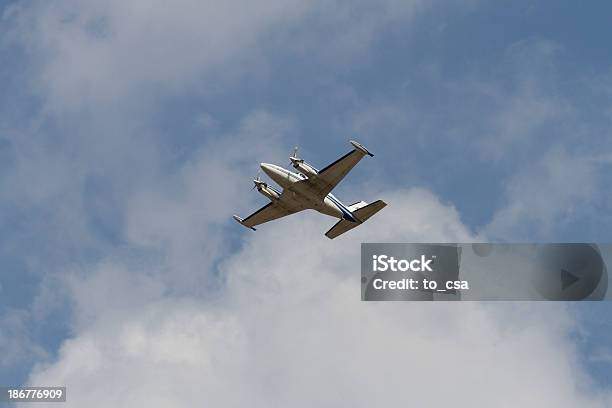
(130, 132)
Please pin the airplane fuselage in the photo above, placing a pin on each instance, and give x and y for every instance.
(303, 195)
(309, 188)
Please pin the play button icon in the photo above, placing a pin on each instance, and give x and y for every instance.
(567, 279)
(570, 272)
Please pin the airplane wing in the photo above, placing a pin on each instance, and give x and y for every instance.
(330, 176)
(269, 212)
(285, 205)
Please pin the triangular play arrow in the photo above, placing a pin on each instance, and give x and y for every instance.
(567, 279)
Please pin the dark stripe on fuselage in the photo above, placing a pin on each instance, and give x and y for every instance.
(345, 211)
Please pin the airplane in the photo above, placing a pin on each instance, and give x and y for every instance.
(310, 188)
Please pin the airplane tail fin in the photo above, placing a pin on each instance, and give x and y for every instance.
(362, 213)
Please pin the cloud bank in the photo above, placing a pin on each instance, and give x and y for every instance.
(287, 329)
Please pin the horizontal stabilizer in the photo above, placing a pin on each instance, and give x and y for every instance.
(356, 206)
(362, 214)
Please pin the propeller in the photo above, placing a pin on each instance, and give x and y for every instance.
(257, 181)
(294, 158)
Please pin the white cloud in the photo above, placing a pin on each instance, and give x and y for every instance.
(520, 118)
(97, 52)
(128, 52)
(542, 197)
(177, 215)
(288, 329)
(16, 346)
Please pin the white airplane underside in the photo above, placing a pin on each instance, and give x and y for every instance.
(311, 189)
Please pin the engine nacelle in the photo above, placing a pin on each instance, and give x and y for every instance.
(305, 168)
(268, 192)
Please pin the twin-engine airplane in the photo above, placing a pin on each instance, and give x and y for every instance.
(311, 189)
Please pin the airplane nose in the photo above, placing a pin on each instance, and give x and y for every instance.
(267, 168)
